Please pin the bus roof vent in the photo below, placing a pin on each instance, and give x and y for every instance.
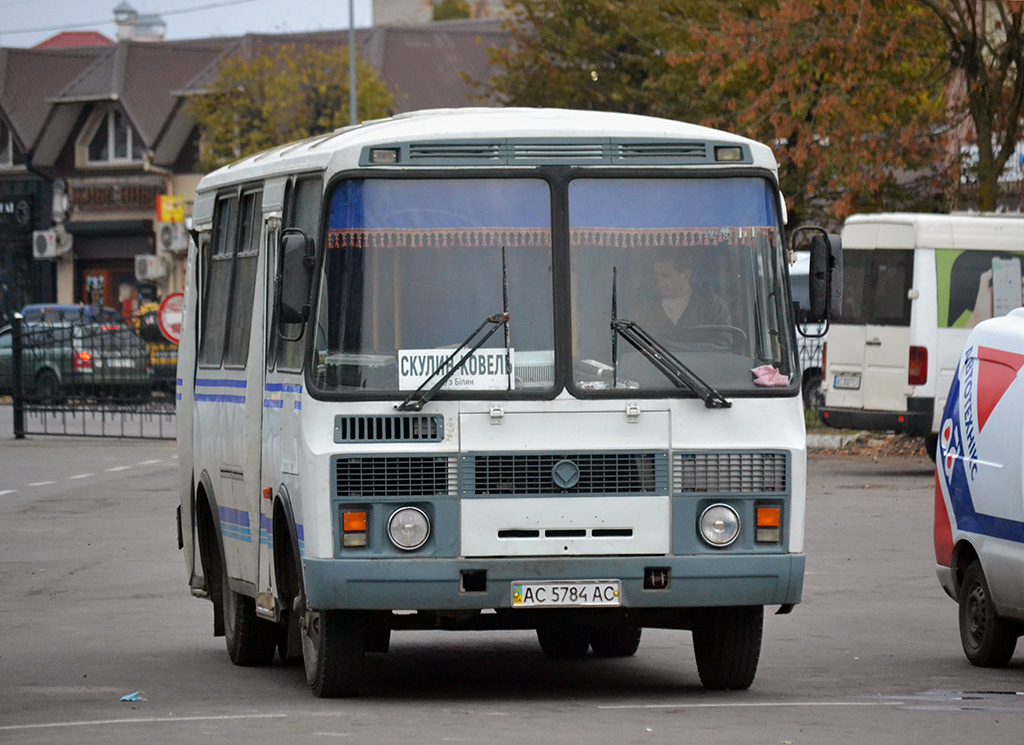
(575, 152)
(731, 473)
(660, 152)
(457, 153)
(389, 428)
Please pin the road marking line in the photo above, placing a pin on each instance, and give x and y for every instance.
(81, 476)
(149, 462)
(43, 483)
(7, 491)
(143, 720)
(117, 468)
(763, 704)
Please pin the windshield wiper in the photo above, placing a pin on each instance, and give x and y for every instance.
(667, 363)
(415, 400)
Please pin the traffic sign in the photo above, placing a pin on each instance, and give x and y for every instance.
(169, 316)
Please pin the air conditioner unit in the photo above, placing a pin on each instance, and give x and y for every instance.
(50, 244)
(172, 237)
(150, 268)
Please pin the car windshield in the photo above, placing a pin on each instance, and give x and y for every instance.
(414, 266)
(696, 263)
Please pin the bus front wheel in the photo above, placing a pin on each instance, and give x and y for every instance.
(727, 645)
(333, 647)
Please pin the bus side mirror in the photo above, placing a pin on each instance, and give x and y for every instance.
(297, 251)
(826, 276)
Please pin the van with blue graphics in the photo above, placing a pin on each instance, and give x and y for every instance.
(979, 491)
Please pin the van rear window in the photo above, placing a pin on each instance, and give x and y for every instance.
(875, 287)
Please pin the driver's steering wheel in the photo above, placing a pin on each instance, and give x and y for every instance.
(709, 337)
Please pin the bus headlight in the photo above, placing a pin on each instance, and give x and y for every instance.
(719, 525)
(409, 528)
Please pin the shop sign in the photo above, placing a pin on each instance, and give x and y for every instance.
(114, 194)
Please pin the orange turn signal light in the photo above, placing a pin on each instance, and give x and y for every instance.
(768, 517)
(353, 521)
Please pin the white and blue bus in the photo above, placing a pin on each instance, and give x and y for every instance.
(492, 369)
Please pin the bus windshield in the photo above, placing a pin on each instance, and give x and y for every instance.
(695, 263)
(413, 266)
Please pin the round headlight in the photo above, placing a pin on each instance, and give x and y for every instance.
(409, 528)
(719, 525)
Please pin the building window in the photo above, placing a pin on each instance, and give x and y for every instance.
(10, 153)
(114, 141)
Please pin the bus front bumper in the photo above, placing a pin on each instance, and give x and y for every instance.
(465, 584)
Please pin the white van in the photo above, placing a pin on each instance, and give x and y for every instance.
(979, 500)
(913, 286)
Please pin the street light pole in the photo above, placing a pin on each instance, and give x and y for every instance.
(353, 115)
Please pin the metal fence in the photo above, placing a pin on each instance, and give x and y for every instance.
(83, 373)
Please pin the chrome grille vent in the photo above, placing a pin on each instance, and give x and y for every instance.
(598, 473)
(731, 473)
(389, 428)
(392, 476)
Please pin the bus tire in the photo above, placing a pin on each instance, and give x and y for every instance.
(615, 642)
(727, 645)
(987, 639)
(565, 642)
(251, 640)
(333, 648)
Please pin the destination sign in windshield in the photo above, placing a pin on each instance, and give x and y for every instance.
(483, 370)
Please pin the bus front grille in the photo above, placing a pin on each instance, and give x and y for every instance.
(392, 476)
(731, 473)
(389, 428)
(564, 473)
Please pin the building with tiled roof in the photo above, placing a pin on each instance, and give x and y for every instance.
(96, 133)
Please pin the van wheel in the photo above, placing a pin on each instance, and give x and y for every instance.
(615, 642)
(333, 648)
(564, 642)
(987, 639)
(251, 640)
(727, 645)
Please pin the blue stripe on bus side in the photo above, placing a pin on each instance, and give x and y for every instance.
(283, 388)
(217, 383)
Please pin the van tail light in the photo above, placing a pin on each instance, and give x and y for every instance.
(824, 355)
(82, 362)
(918, 369)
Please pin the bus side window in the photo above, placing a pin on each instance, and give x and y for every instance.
(302, 210)
(244, 281)
(218, 260)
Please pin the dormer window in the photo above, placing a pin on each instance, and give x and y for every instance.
(114, 141)
(10, 153)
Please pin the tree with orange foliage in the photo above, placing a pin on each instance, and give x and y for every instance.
(850, 94)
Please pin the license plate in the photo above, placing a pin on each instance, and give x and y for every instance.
(850, 382)
(118, 363)
(567, 593)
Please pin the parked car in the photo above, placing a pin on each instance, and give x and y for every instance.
(91, 358)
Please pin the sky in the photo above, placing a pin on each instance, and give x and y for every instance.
(25, 23)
